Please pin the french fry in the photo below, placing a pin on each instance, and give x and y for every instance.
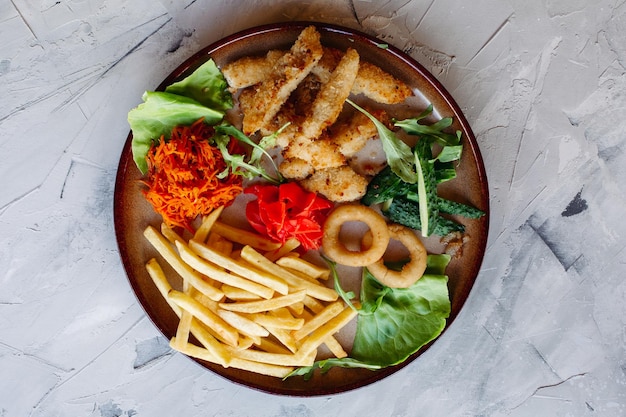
(284, 337)
(266, 320)
(237, 294)
(331, 343)
(243, 269)
(319, 319)
(160, 281)
(225, 331)
(220, 275)
(206, 225)
(314, 290)
(246, 342)
(243, 324)
(288, 359)
(297, 308)
(335, 347)
(331, 327)
(209, 342)
(303, 266)
(184, 328)
(170, 234)
(238, 363)
(244, 237)
(264, 305)
(268, 345)
(163, 246)
(220, 244)
(288, 247)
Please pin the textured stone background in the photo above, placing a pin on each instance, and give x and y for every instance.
(542, 84)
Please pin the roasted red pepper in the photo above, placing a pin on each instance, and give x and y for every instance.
(288, 211)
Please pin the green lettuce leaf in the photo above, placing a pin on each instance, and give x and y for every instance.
(207, 86)
(394, 323)
(158, 115)
(203, 94)
(400, 321)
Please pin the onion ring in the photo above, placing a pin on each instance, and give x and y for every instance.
(336, 250)
(410, 272)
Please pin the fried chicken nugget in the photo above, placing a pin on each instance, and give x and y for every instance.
(352, 135)
(284, 77)
(295, 168)
(319, 153)
(341, 184)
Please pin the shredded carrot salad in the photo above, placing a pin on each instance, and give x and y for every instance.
(182, 176)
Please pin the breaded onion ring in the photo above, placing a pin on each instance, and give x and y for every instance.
(412, 271)
(337, 251)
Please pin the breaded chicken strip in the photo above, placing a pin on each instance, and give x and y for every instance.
(379, 85)
(250, 70)
(332, 96)
(285, 76)
(371, 80)
(341, 184)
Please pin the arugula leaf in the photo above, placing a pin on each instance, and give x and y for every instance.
(435, 130)
(158, 115)
(253, 166)
(237, 164)
(399, 154)
(449, 154)
(345, 296)
(206, 85)
(326, 364)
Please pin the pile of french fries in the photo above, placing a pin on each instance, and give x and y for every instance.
(250, 303)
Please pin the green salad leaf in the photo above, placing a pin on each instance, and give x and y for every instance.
(415, 203)
(394, 323)
(399, 155)
(203, 94)
(403, 319)
(434, 131)
(237, 163)
(206, 85)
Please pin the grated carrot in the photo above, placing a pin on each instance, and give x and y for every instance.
(182, 176)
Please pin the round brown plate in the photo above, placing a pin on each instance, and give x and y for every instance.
(133, 213)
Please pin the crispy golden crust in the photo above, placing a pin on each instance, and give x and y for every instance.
(370, 81)
(295, 168)
(379, 85)
(332, 95)
(351, 135)
(341, 184)
(246, 71)
(284, 77)
(320, 153)
(250, 70)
